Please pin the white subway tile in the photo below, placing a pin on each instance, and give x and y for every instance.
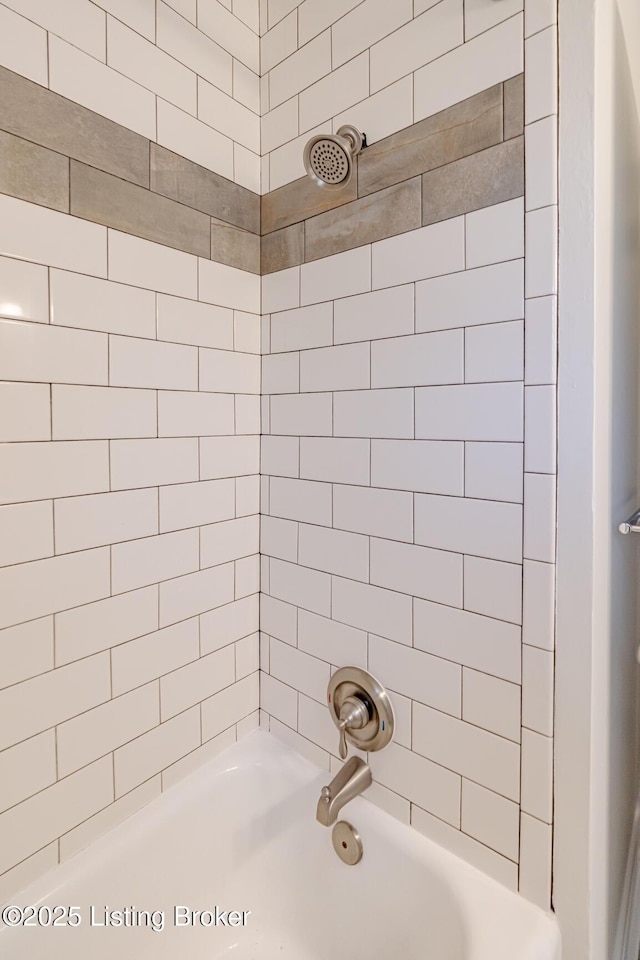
(247, 168)
(229, 540)
(229, 706)
(537, 690)
(539, 605)
(142, 562)
(340, 275)
(247, 332)
(196, 681)
(42, 702)
(279, 43)
(247, 496)
(470, 412)
(80, 78)
(31, 590)
(307, 414)
(474, 753)
(429, 358)
(97, 732)
(200, 324)
(300, 70)
(335, 368)
(281, 290)
(304, 500)
(382, 114)
(493, 471)
(540, 429)
(536, 861)
(37, 471)
(79, 301)
(298, 585)
(84, 522)
(491, 703)
(495, 233)
(431, 574)
(415, 674)
(422, 40)
(494, 352)
(382, 513)
(374, 413)
(345, 554)
(491, 819)
(25, 290)
(315, 723)
(279, 455)
(279, 700)
(539, 14)
(303, 328)
(247, 662)
(147, 463)
(371, 316)
(190, 505)
(371, 608)
(190, 45)
(187, 414)
(480, 15)
(27, 768)
(139, 760)
(488, 59)
(230, 32)
(537, 775)
(28, 870)
(417, 465)
(227, 372)
(228, 623)
(98, 626)
(96, 826)
(541, 78)
(480, 527)
(279, 538)
(227, 115)
(25, 411)
(419, 254)
(31, 232)
(280, 125)
(139, 661)
(489, 294)
(23, 45)
(493, 588)
(281, 373)
(148, 65)
(541, 140)
(26, 532)
(298, 670)
(540, 517)
(26, 650)
(335, 92)
(542, 252)
(248, 12)
(300, 744)
(313, 16)
(146, 264)
(182, 133)
(278, 619)
(369, 22)
(331, 641)
(33, 824)
(228, 286)
(94, 413)
(541, 341)
(139, 15)
(478, 642)
(229, 457)
(41, 352)
(335, 460)
(420, 780)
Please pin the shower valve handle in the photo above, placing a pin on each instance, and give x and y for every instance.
(354, 714)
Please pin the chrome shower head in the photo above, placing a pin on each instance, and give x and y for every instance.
(328, 159)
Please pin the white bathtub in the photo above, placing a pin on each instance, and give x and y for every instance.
(241, 834)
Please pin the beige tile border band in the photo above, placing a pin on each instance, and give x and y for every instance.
(58, 154)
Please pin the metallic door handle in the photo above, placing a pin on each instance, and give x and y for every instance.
(632, 525)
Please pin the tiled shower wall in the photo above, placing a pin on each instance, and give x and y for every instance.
(129, 419)
(408, 452)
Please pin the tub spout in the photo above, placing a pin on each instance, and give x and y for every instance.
(352, 780)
